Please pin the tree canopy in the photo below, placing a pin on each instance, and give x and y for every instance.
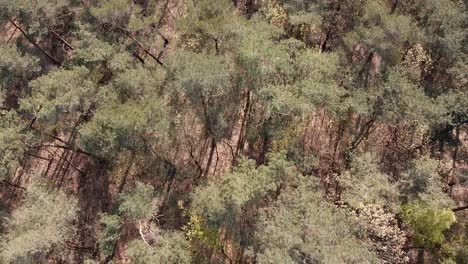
(233, 131)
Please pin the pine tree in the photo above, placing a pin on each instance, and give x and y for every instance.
(365, 185)
(428, 211)
(14, 136)
(39, 225)
(140, 204)
(302, 227)
(294, 131)
(172, 248)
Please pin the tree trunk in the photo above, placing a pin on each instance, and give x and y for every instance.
(210, 158)
(420, 259)
(241, 141)
(127, 171)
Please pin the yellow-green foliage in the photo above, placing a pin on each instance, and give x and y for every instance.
(196, 230)
(427, 223)
(455, 246)
(275, 13)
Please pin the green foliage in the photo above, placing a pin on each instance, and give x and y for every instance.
(383, 32)
(428, 211)
(196, 229)
(208, 201)
(220, 201)
(136, 82)
(247, 183)
(445, 22)
(454, 107)
(305, 12)
(117, 126)
(302, 227)
(448, 261)
(109, 234)
(221, 207)
(205, 81)
(286, 75)
(171, 248)
(364, 184)
(61, 94)
(130, 114)
(118, 11)
(199, 75)
(43, 11)
(427, 222)
(454, 248)
(298, 80)
(13, 137)
(15, 67)
(204, 25)
(296, 227)
(425, 184)
(39, 224)
(197, 232)
(319, 70)
(90, 49)
(249, 79)
(140, 203)
(402, 99)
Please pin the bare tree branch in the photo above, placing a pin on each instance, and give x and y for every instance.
(34, 43)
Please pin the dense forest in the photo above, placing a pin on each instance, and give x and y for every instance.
(234, 131)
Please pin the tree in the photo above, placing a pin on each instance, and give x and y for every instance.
(218, 202)
(115, 11)
(92, 51)
(15, 70)
(364, 184)
(13, 138)
(290, 203)
(428, 223)
(294, 131)
(428, 210)
(301, 227)
(227, 207)
(424, 183)
(140, 204)
(171, 248)
(110, 233)
(202, 84)
(378, 25)
(402, 99)
(203, 28)
(205, 81)
(375, 200)
(443, 23)
(165, 246)
(41, 223)
(116, 127)
(63, 95)
(41, 19)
